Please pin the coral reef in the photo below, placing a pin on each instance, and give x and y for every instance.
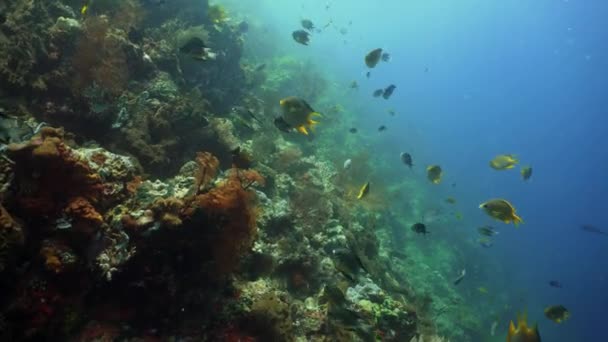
(146, 195)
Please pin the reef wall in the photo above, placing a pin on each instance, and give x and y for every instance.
(132, 207)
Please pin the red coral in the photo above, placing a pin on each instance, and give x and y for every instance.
(208, 165)
(232, 207)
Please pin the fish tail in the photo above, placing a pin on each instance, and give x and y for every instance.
(302, 130)
(517, 220)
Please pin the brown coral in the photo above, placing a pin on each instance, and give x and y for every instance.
(167, 211)
(84, 216)
(51, 178)
(230, 206)
(208, 165)
(99, 59)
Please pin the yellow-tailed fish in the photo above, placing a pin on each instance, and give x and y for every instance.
(526, 172)
(522, 333)
(504, 162)
(501, 210)
(363, 191)
(298, 114)
(434, 173)
(557, 313)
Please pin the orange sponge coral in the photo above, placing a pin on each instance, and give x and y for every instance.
(85, 217)
(50, 175)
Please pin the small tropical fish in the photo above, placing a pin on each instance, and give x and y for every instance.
(388, 91)
(434, 173)
(555, 283)
(503, 162)
(217, 14)
(392, 112)
(522, 333)
(346, 262)
(485, 242)
(307, 24)
(243, 27)
(241, 159)
(353, 130)
(592, 229)
(363, 191)
(378, 92)
(501, 210)
(382, 128)
(354, 85)
(460, 277)
(493, 328)
(298, 114)
(260, 67)
(487, 231)
(450, 200)
(526, 172)
(83, 9)
(386, 57)
(482, 290)
(196, 48)
(347, 164)
(557, 313)
(368, 74)
(406, 159)
(458, 215)
(282, 125)
(373, 57)
(301, 37)
(419, 228)
(332, 294)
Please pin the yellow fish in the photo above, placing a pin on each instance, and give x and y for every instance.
(364, 191)
(522, 333)
(501, 210)
(298, 114)
(557, 313)
(482, 290)
(526, 172)
(504, 162)
(84, 9)
(434, 173)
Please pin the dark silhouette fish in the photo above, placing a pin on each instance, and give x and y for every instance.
(555, 283)
(592, 229)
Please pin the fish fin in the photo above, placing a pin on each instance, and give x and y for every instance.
(302, 130)
(517, 220)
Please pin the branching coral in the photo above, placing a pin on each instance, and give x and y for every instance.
(207, 169)
(99, 59)
(231, 208)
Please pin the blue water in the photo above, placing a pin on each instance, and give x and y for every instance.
(476, 78)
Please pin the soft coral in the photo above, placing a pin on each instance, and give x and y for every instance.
(231, 207)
